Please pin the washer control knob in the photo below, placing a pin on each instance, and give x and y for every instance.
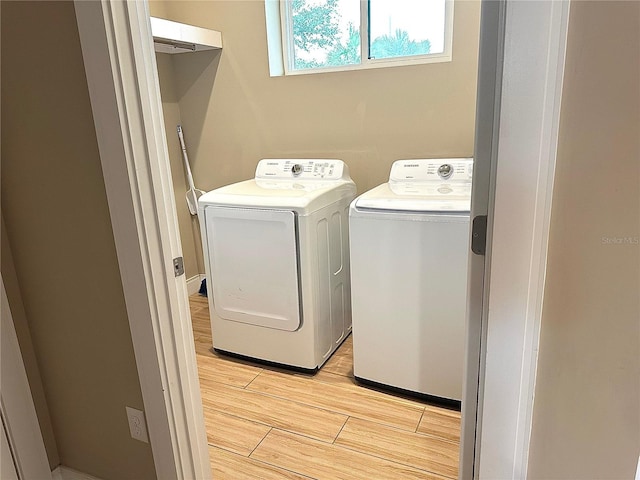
(296, 169)
(445, 171)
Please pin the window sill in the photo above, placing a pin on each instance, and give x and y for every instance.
(371, 64)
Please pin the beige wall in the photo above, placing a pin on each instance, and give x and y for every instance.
(234, 114)
(10, 279)
(189, 227)
(587, 404)
(157, 8)
(59, 231)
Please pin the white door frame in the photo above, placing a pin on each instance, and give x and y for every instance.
(523, 157)
(123, 85)
(491, 54)
(16, 406)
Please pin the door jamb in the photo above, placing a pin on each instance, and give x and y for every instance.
(17, 409)
(523, 160)
(122, 77)
(491, 56)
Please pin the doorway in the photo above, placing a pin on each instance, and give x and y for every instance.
(175, 293)
(196, 75)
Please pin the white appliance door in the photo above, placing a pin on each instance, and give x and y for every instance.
(409, 303)
(254, 266)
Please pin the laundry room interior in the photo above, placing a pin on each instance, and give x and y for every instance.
(233, 112)
(100, 331)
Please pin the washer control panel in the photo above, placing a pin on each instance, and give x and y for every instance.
(302, 169)
(449, 170)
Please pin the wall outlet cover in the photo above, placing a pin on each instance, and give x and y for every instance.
(137, 424)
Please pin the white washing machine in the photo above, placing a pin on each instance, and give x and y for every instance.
(277, 262)
(409, 248)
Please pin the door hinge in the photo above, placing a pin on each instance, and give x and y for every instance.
(178, 266)
(479, 235)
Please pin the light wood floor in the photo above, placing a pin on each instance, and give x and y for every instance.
(264, 423)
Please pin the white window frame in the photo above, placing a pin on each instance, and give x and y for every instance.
(280, 43)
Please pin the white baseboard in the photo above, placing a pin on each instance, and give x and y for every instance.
(65, 473)
(193, 283)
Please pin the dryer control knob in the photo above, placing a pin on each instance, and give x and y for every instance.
(296, 169)
(445, 171)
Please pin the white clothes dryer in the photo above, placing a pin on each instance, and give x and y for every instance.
(277, 262)
(409, 243)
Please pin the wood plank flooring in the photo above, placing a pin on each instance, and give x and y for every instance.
(268, 423)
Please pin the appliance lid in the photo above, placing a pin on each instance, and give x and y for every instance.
(173, 37)
(299, 196)
(416, 198)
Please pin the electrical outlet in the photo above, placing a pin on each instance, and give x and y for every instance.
(137, 424)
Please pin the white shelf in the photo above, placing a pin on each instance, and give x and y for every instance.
(173, 37)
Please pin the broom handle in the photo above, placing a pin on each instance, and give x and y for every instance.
(186, 158)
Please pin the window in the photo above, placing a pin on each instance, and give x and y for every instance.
(329, 35)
